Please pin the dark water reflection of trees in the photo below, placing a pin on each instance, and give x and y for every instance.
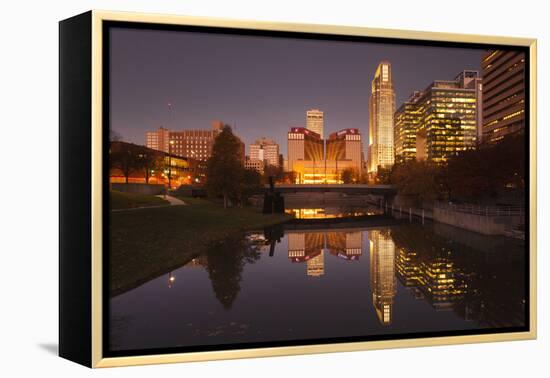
(225, 263)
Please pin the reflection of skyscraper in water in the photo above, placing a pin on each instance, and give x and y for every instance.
(354, 243)
(442, 281)
(382, 275)
(296, 246)
(429, 273)
(345, 245)
(308, 246)
(316, 265)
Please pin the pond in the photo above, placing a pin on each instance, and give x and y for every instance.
(328, 281)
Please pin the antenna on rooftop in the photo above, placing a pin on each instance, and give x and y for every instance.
(170, 115)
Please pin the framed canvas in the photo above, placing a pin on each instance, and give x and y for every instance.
(234, 189)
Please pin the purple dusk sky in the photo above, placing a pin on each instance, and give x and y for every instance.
(263, 85)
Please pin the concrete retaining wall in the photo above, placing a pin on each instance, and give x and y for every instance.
(487, 225)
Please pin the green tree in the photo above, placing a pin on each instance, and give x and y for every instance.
(418, 179)
(475, 175)
(125, 157)
(251, 183)
(289, 177)
(149, 160)
(225, 168)
(383, 176)
(272, 171)
(349, 176)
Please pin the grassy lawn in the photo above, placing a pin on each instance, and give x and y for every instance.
(148, 243)
(120, 200)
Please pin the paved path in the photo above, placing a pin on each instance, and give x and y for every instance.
(172, 200)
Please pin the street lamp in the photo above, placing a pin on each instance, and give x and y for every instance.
(195, 158)
(170, 144)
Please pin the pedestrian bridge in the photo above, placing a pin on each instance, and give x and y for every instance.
(336, 188)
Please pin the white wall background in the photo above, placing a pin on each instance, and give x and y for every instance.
(28, 233)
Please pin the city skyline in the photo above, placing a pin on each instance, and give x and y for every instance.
(250, 83)
(368, 199)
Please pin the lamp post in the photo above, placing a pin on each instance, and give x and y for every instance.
(194, 157)
(170, 164)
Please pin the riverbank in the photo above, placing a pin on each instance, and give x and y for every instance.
(152, 242)
(504, 220)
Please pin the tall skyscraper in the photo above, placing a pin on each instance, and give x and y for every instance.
(407, 121)
(381, 111)
(158, 140)
(315, 121)
(265, 150)
(316, 265)
(503, 93)
(450, 117)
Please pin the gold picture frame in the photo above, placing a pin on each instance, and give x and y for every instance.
(94, 21)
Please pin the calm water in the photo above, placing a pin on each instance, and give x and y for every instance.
(327, 212)
(325, 282)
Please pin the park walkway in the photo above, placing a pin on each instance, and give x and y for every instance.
(173, 200)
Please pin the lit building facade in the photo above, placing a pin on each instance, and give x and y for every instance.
(257, 165)
(265, 150)
(182, 171)
(381, 125)
(307, 158)
(450, 114)
(315, 121)
(503, 93)
(195, 143)
(407, 121)
(305, 149)
(158, 140)
(382, 274)
(345, 146)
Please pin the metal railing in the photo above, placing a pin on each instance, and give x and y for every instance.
(488, 211)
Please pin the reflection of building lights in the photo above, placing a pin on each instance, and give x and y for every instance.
(383, 282)
(171, 280)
